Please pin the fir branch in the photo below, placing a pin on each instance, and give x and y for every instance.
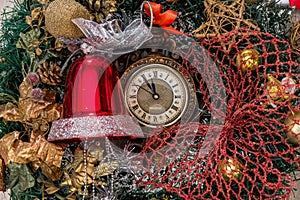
(13, 24)
(270, 17)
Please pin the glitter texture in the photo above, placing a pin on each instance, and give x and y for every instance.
(94, 127)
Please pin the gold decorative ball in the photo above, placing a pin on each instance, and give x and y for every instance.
(248, 59)
(293, 123)
(230, 168)
(280, 90)
(58, 16)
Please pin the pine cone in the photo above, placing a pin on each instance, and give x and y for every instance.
(100, 9)
(49, 73)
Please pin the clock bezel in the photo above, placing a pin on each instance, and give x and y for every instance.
(191, 98)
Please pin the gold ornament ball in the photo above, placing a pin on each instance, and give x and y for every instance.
(58, 16)
(248, 59)
(293, 123)
(230, 168)
(280, 90)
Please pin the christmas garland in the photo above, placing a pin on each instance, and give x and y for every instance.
(243, 145)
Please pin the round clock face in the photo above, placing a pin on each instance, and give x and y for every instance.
(157, 92)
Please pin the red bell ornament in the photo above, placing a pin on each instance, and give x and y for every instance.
(93, 103)
(92, 89)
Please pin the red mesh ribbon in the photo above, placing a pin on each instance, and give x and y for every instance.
(252, 135)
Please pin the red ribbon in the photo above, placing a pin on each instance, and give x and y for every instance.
(164, 19)
(295, 3)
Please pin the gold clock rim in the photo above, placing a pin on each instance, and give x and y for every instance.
(191, 93)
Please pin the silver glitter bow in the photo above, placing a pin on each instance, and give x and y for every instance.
(109, 38)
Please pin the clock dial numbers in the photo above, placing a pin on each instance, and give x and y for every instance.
(154, 100)
(156, 94)
(155, 72)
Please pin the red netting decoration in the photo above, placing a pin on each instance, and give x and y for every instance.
(250, 143)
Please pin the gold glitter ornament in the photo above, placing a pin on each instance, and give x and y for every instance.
(230, 168)
(58, 16)
(293, 123)
(248, 59)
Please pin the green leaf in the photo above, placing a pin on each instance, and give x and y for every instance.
(27, 39)
(20, 178)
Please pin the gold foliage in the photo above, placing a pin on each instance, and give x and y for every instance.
(39, 153)
(100, 9)
(32, 113)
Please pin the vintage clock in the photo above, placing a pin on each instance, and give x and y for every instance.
(159, 91)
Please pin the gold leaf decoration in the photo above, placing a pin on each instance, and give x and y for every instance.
(29, 112)
(80, 172)
(36, 15)
(38, 152)
(100, 9)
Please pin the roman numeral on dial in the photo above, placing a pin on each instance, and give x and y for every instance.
(144, 115)
(135, 107)
(174, 107)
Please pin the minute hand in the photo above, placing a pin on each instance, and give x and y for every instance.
(148, 84)
(153, 87)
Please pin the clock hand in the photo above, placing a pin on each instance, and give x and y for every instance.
(142, 88)
(153, 87)
(148, 84)
(154, 93)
